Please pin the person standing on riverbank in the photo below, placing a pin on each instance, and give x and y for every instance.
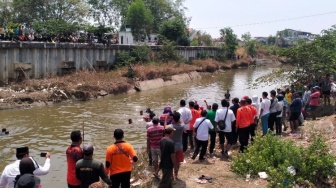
(194, 115)
(168, 162)
(185, 119)
(89, 170)
(73, 154)
(243, 123)
(227, 132)
(295, 111)
(177, 138)
(119, 159)
(12, 170)
(264, 112)
(280, 109)
(234, 109)
(314, 101)
(202, 126)
(254, 117)
(212, 132)
(306, 100)
(326, 87)
(154, 135)
(273, 110)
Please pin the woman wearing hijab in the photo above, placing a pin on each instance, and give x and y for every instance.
(26, 179)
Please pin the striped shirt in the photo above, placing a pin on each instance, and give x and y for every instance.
(155, 134)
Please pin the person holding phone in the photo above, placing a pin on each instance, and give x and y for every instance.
(12, 170)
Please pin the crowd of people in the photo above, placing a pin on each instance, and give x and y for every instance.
(174, 132)
(26, 33)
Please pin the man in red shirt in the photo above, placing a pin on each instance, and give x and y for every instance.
(73, 154)
(194, 115)
(243, 122)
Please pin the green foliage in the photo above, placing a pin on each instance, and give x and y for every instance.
(202, 55)
(168, 52)
(250, 47)
(123, 59)
(312, 60)
(202, 39)
(140, 19)
(55, 26)
(230, 42)
(246, 37)
(270, 154)
(173, 29)
(6, 9)
(141, 53)
(271, 40)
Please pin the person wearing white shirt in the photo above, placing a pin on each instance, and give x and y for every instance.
(201, 127)
(227, 132)
(306, 99)
(264, 112)
(185, 119)
(12, 170)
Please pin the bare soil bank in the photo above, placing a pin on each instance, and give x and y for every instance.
(89, 84)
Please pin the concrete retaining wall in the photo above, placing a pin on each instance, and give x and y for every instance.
(46, 58)
(176, 79)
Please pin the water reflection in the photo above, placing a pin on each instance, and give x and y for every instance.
(48, 128)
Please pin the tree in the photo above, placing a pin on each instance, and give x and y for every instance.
(28, 11)
(271, 40)
(173, 29)
(104, 12)
(140, 19)
(6, 11)
(230, 42)
(202, 39)
(164, 10)
(246, 37)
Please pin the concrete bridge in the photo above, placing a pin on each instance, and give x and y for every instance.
(39, 60)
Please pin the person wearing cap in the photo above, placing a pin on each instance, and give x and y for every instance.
(12, 170)
(243, 123)
(185, 119)
(154, 135)
(74, 153)
(234, 108)
(168, 163)
(119, 159)
(314, 101)
(89, 170)
(201, 127)
(227, 132)
(295, 112)
(264, 112)
(26, 178)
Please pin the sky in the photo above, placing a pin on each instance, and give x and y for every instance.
(241, 15)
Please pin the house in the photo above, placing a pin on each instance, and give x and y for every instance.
(291, 37)
(261, 39)
(126, 37)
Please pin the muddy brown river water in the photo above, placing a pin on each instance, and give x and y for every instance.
(48, 128)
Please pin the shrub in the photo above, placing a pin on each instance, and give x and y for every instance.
(168, 52)
(141, 53)
(123, 59)
(313, 165)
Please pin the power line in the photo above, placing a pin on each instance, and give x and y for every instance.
(274, 21)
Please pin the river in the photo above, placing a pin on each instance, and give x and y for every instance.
(48, 128)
